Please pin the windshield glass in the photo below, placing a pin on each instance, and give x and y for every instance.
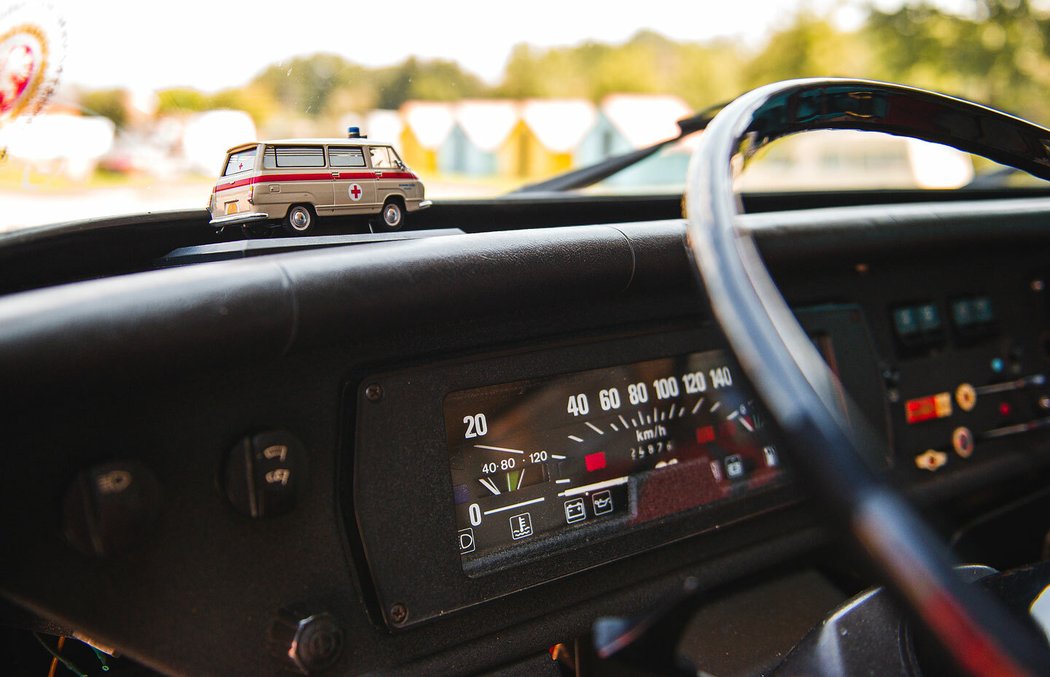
(475, 101)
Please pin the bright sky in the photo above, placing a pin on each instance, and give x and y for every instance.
(212, 44)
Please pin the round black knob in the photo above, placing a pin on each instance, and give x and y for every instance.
(263, 473)
(111, 507)
(307, 644)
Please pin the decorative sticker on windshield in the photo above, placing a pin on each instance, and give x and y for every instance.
(32, 49)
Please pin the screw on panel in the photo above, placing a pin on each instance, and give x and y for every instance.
(399, 613)
(374, 392)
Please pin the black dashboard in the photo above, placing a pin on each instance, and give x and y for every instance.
(443, 445)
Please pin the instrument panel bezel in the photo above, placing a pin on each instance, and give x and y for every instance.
(402, 483)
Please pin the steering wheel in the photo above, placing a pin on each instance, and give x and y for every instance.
(797, 386)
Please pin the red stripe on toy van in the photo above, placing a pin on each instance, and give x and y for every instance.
(343, 176)
(236, 184)
(398, 175)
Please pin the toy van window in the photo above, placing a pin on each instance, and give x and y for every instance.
(293, 156)
(243, 161)
(381, 158)
(346, 157)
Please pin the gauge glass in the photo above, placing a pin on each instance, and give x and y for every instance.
(630, 444)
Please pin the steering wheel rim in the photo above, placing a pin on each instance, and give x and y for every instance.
(792, 379)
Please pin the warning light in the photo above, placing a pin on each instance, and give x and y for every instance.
(928, 408)
(705, 434)
(1005, 409)
(595, 461)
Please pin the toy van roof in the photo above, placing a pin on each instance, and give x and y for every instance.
(335, 141)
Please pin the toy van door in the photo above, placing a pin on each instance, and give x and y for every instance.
(355, 186)
(389, 173)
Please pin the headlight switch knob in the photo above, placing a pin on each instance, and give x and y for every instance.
(306, 643)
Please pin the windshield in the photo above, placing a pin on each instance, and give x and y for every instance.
(475, 101)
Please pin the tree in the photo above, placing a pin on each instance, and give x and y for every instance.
(109, 103)
(809, 46)
(996, 53)
(304, 84)
(181, 99)
(434, 80)
(256, 101)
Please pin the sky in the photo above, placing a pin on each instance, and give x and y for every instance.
(210, 45)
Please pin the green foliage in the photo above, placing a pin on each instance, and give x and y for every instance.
(181, 99)
(437, 80)
(109, 103)
(809, 46)
(306, 84)
(998, 52)
(647, 63)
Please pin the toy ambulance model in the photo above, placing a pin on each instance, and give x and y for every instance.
(295, 181)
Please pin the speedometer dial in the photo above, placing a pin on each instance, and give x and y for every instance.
(536, 460)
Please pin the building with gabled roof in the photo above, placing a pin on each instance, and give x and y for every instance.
(553, 131)
(627, 122)
(427, 125)
(480, 143)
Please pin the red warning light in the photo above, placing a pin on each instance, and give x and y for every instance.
(1005, 409)
(595, 461)
(928, 408)
(705, 434)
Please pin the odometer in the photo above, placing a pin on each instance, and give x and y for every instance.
(616, 447)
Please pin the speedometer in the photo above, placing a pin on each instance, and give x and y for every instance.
(579, 453)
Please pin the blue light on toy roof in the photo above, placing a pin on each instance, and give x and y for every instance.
(353, 132)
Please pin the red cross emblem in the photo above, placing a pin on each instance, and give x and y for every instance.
(355, 192)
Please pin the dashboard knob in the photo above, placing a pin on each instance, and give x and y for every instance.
(111, 507)
(262, 473)
(306, 644)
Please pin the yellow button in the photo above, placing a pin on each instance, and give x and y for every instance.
(966, 397)
(942, 403)
(931, 460)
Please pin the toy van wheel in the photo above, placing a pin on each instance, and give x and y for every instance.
(300, 220)
(392, 217)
